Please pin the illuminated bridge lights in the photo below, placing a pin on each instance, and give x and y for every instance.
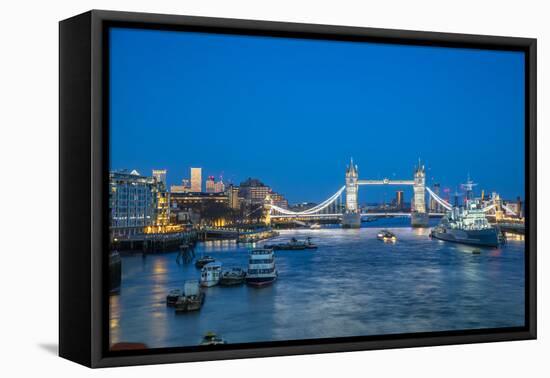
(331, 207)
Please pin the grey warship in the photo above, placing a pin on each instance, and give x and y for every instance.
(467, 225)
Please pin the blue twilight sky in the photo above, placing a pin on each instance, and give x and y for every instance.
(292, 112)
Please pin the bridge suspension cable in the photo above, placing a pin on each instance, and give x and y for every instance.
(494, 205)
(488, 208)
(260, 207)
(509, 210)
(439, 200)
(316, 209)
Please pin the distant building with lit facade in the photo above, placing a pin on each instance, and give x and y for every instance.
(219, 186)
(278, 200)
(209, 208)
(513, 208)
(133, 202)
(182, 200)
(210, 185)
(233, 198)
(519, 207)
(196, 180)
(162, 216)
(253, 191)
(179, 189)
(399, 203)
(302, 206)
(434, 205)
(185, 187)
(160, 176)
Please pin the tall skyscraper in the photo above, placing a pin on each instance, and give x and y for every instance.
(196, 180)
(399, 199)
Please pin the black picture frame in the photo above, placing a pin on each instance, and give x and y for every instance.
(83, 178)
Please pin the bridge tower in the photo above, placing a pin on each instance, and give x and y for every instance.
(266, 211)
(419, 215)
(352, 217)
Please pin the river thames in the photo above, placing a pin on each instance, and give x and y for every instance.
(352, 285)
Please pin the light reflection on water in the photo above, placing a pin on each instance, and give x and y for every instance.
(352, 285)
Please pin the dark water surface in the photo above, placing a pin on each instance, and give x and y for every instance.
(352, 285)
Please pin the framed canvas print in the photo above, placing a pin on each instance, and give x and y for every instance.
(233, 188)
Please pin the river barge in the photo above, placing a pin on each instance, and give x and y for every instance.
(293, 245)
(235, 276)
(192, 298)
(173, 297)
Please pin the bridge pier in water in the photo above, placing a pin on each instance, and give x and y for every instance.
(351, 220)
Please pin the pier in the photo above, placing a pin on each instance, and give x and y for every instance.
(151, 243)
(240, 235)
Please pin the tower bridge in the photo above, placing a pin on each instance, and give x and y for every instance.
(350, 213)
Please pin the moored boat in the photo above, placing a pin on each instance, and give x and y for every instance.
(293, 245)
(173, 297)
(212, 339)
(203, 261)
(309, 244)
(210, 274)
(235, 276)
(192, 298)
(261, 267)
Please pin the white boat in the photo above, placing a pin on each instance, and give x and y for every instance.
(315, 226)
(210, 274)
(261, 267)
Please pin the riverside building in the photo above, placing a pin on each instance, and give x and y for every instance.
(132, 202)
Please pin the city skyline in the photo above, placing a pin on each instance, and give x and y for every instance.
(348, 98)
(388, 195)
